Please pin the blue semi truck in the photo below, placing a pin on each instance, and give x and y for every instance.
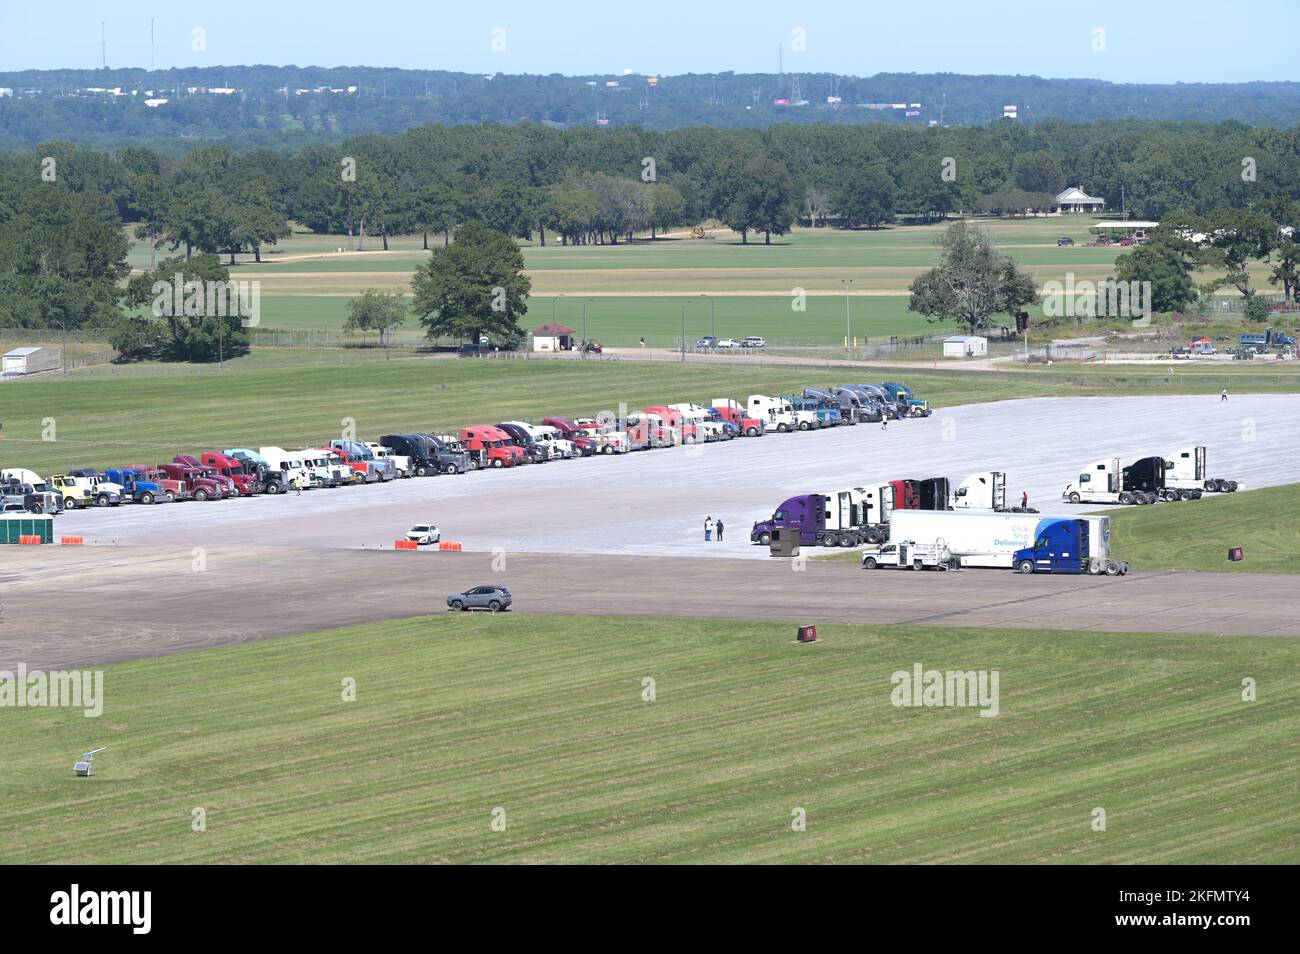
(1063, 546)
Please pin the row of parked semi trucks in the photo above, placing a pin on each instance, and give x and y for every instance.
(910, 522)
(245, 471)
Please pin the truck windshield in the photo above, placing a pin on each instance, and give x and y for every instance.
(779, 515)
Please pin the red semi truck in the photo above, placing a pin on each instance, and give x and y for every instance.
(233, 469)
(201, 486)
(227, 485)
(491, 446)
(174, 489)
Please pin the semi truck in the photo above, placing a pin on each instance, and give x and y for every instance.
(228, 486)
(559, 446)
(81, 492)
(846, 517)
(775, 413)
(401, 463)
(99, 480)
(173, 489)
(707, 426)
(534, 451)
(232, 468)
(200, 485)
(1147, 476)
(992, 540)
(1186, 470)
(136, 485)
(270, 480)
(490, 446)
(806, 417)
(585, 443)
(847, 404)
(1065, 546)
(449, 453)
(384, 468)
(1102, 482)
(748, 425)
(53, 503)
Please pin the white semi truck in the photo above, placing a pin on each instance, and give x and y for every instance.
(776, 413)
(1186, 470)
(1102, 482)
(989, 539)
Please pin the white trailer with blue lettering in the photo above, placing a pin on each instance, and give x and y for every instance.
(987, 539)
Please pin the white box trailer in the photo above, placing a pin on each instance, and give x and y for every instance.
(986, 539)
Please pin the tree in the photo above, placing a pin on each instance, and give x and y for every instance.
(195, 313)
(667, 207)
(763, 200)
(972, 282)
(472, 287)
(375, 310)
(1167, 263)
(1039, 172)
(865, 196)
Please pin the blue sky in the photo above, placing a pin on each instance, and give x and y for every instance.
(1144, 40)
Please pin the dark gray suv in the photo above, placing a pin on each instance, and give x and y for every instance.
(492, 598)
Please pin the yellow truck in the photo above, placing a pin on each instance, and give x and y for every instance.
(83, 492)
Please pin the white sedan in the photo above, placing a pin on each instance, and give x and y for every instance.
(728, 343)
(424, 533)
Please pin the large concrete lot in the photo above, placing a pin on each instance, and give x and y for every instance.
(68, 606)
(654, 503)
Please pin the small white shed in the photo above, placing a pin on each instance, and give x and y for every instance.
(30, 360)
(965, 346)
(553, 337)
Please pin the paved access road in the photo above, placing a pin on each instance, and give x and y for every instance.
(76, 606)
(655, 502)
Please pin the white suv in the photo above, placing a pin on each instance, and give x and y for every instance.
(753, 341)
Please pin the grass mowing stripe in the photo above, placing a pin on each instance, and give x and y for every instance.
(543, 716)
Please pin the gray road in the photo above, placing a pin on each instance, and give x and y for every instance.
(66, 606)
(655, 503)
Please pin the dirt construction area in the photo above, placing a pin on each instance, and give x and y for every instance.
(654, 503)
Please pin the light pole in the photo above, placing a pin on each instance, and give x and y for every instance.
(684, 304)
(584, 318)
(555, 301)
(848, 321)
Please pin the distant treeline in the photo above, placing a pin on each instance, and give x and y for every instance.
(61, 207)
(267, 110)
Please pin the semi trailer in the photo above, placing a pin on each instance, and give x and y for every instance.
(1186, 470)
(991, 540)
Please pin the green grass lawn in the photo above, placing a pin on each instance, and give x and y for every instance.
(544, 718)
(113, 414)
(1196, 535)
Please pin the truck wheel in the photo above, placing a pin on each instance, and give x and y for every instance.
(422, 471)
(751, 432)
(1094, 567)
(874, 537)
(869, 563)
(1126, 498)
(830, 540)
(1232, 486)
(764, 539)
(498, 462)
(1211, 486)
(1075, 498)
(1112, 568)
(146, 498)
(803, 425)
(1026, 566)
(102, 500)
(849, 540)
(200, 494)
(783, 428)
(457, 605)
(69, 503)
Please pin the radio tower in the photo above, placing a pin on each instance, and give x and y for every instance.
(795, 95)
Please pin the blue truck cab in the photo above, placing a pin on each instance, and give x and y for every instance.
(1063, 546)
(135, 486)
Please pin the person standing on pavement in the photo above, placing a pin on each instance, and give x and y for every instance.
(708, 529)
(1223, 395)
(1024, 500)
(719, 529)
(297, 486)
(884, 422)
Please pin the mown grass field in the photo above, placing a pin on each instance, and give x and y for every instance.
(110, 415)
(754, 283)
(544, 718)
(1197, 535)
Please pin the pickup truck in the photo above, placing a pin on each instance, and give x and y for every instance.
(909, 555)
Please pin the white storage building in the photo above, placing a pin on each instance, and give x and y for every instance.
(965, 346)
(31, 360)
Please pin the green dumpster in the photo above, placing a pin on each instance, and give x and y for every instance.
(26, 525)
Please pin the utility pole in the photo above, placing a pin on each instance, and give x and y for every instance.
(103, 47)
(848, 320)
(684, 304)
